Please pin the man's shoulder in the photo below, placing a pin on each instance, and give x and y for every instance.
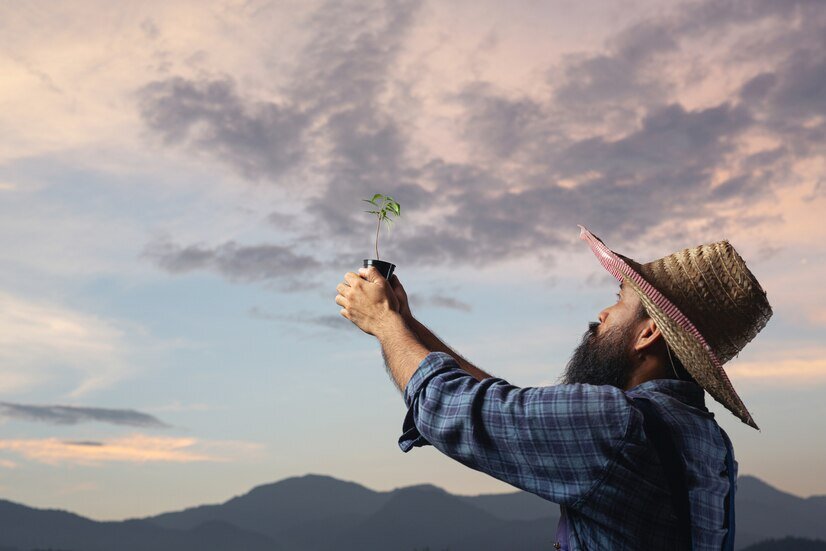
(673, 394)
(680, 404)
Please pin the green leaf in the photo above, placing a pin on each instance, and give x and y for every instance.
(376, 196)
(369, 201)
(395, 208)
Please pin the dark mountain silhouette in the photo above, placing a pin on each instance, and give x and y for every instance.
(273, 508)
(763, 511)
(788, 544)
(415, 517)
(26, 528)
(322, 513)
(514, 506)
(331, 514)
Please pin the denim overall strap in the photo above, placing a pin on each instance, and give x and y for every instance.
(673, 465)
(728, 544)
(562, 536)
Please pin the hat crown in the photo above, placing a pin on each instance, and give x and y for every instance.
(714, 288)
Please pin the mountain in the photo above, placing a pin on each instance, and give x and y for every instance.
(273, 508)
(788, 544)
(22, 527)
(416, 517)
(321, 513)
(762, 511)
(514, 506)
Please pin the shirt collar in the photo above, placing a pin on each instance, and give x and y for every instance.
(687, 392)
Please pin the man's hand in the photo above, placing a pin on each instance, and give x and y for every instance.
(368, 300)
(401, 295)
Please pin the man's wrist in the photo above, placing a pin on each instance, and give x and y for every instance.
(402, 350)
(394, 325)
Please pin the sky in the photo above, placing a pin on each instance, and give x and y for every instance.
(180, 194)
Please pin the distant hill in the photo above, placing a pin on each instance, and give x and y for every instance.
(788, 544)
(25, 528)
(321, 513)
(762, 512)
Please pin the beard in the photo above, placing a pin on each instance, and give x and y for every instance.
(601, 359)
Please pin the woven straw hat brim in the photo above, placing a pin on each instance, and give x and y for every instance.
(681, 335)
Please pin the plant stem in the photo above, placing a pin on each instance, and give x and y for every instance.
(377, 238)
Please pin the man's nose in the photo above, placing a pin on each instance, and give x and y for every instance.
(602, 315)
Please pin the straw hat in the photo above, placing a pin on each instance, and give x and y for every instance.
(706, 303)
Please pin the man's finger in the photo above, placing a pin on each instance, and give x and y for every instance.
(342, 301)
(373, 274)
(352, 278)
(342, 287)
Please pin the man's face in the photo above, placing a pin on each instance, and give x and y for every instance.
(603, 356)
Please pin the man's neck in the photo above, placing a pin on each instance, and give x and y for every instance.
(650, 368)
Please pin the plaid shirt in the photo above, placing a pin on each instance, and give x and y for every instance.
(579, 445)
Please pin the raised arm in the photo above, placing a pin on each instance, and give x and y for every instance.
(432, 342)
(553, 441)
(426, 336)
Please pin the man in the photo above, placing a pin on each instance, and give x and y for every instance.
(625, 445)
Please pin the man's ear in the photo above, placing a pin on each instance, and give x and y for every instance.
(647, 336)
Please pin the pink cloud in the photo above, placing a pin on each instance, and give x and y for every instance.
(136, 448)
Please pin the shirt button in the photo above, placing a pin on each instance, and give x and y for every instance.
(557, 545)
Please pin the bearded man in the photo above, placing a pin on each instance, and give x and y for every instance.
(625, 444)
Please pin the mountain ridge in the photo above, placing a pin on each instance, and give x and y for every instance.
(317, 512)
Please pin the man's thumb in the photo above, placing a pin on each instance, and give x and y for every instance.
(371, 273)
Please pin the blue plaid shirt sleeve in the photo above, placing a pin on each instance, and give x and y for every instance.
(553, 441)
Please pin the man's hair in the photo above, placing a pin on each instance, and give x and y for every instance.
(682, 374)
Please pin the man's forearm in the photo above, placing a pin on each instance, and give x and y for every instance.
(432, 342)
(402, 349)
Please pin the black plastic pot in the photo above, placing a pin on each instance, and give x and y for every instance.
(384, 268)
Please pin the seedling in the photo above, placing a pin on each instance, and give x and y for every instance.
(386, 206)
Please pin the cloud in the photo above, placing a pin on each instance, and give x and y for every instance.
(71, 415)
(136, 448)
(439, 300)
(259, 139)
(41, 342)
(356, 143)
(641, 133)
(238, 263)
(800, 367)
(329, 321)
